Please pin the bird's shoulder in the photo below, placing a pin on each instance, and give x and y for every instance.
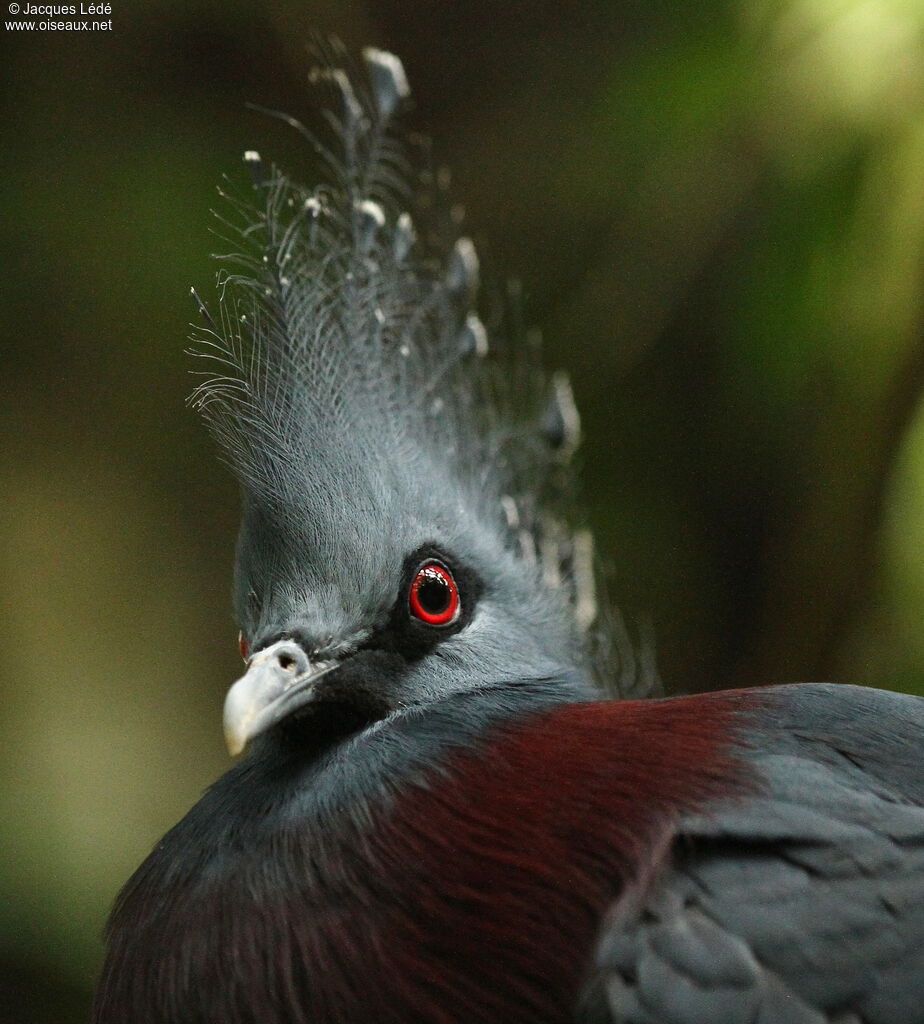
(799, 901)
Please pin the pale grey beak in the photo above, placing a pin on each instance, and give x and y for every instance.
(279, 679)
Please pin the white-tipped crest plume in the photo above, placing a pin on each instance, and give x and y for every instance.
(353, 365)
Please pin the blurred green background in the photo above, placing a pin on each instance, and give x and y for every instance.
(717, 213)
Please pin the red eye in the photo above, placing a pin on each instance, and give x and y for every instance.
(434, 596)
(243, 646)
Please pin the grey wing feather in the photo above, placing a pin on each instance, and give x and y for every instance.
(803, 902)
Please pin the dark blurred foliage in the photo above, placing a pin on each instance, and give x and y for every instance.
(717, 213)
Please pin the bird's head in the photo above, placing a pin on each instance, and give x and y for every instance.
(402, 536)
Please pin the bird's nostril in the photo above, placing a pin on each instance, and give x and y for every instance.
(286, 662)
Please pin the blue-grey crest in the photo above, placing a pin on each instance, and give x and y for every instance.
(372, 418)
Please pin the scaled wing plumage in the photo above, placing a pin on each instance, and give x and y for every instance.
(800, 904)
